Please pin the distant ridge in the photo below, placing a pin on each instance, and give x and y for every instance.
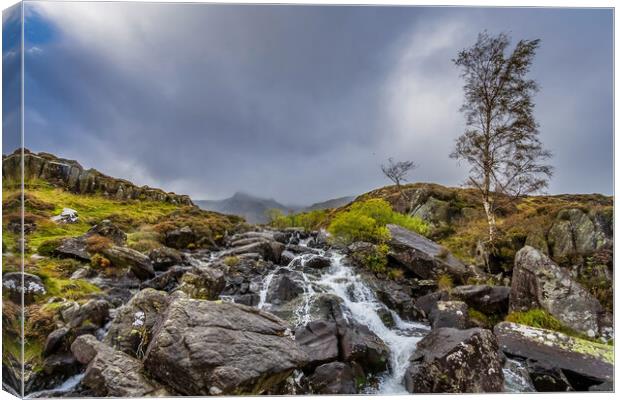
(253, 209)
(333, 203)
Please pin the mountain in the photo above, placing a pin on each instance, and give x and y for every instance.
(333, 203)
(253, 209)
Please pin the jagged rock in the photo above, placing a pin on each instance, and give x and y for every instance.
(167, 281)
(164, 258)
(537, 282)
(107, 229)
(397, 297)
(187, 350)
(67, 216)
(581, 357)
(75, 248)
(286, 257)
(333, 378)
(203, 283)
(32, 287)
(137, 262)
(132, 327)
(450, 360)
(180, 238)
(55, 341)
(449, 314)
(422, 256)
(319, 339)
(485, 298)
(112, 373)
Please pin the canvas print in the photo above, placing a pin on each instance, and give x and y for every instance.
(219, 199)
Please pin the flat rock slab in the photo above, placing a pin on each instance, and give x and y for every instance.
(209, 348)
(590, 359)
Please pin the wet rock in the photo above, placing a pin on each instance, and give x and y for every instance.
(132, 327)
(333, 378)
(187, 350)
(107, 229)
(422, 256)
(397, 297)
(450, 360)
(316, 261)
(546, 378)
(163, 258)
(55, 341)
(359, 344)
(449, 314)
(286, 257)
(112, 373)
(270, 250)
(32, 287)
(319, 339)
(537, 282)
(284, 287)
(485, 298)
(577, 356)
(137, 262)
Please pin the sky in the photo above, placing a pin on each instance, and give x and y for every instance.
(298, 103)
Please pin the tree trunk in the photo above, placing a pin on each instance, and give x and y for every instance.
(488, 209)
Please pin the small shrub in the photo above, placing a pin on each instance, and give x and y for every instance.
(97, 243)
(396, 274)
(48, 247)
(445, 282)
(376, 260)
(231, 261)
(99, 261)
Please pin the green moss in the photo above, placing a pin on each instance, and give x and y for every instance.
(539, 318)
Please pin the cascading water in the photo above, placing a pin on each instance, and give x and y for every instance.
(361, 305)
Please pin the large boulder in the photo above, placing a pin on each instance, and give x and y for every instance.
(319, 339)
(422, 256)
(74, 247)
(32, 287)
(583, 358)
(132, 327)
(137, 262)
(333, 378)
(359, 344)
(180, 238)
(485, 298)
(112, 373)
(284, 287)
(270, 250)
(209, 348)
(204, 283)
(451, 360)
(537, 282)
(575, 232)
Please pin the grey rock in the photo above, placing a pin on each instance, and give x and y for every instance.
(163, 258)
(451, 360)
(137, 262)
(485, 298)
(449, 314)
(333, 378)
(32, 287)
(319, 339)
(537, 282)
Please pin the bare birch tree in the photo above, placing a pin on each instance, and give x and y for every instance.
(501, 143)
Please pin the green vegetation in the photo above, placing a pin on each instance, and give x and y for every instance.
(539, 318)
(376, 259)
(445, 282)
(367, 220)
(309, 221)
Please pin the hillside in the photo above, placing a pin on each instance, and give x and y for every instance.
(253, 209)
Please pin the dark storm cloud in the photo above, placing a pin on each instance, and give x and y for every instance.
(296, 103)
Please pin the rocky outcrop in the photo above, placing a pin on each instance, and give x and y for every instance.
(422, 256)
(70, 175)
(585, 359)
(203, 283)
(206, 348)
(112, 373)
(137, 262)
(269, 250)
(319, 339)
(537, 282)
(165, 257)
(577, 232)
(455, 361)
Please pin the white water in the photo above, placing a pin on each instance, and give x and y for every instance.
(362, 306)
(64, 387)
